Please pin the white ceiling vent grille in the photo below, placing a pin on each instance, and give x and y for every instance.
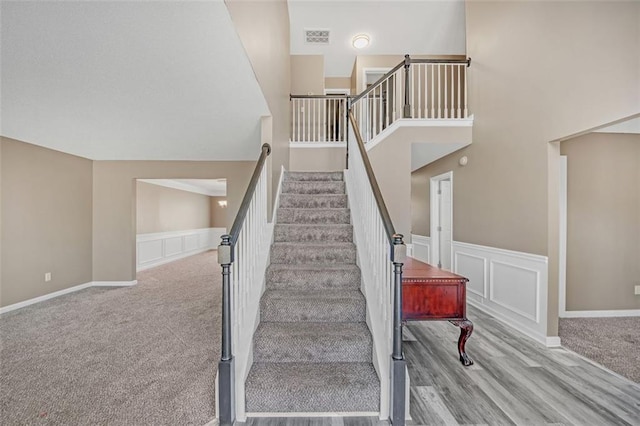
(316, 36)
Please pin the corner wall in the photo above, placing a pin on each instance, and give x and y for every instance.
(540, 71)
(162, 209)
(46, 221)
(263, 27)
(603, 221)
(114, 197)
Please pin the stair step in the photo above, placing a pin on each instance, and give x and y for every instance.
(312, 306)
(314, 216)
(307, 388)
(322, 277)
(319, 187)
(283, 342)
(303, 253)
(313, 201)
(313, 176)
(313, 233)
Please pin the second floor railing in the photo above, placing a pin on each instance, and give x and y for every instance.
(426, 89)
(319, 118)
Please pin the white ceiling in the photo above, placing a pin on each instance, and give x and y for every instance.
(210, 187)
(394, 26)
(129, 80)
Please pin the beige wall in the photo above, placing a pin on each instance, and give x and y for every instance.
(219, 214)
(114, 195)
(307, 74)
(603, 221)
(263, 27)
(162, 209)
(46, 221)
(318, 159)
(337, 83)
(391, 162)
(566, 83)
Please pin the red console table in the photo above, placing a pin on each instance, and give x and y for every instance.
(430, 293)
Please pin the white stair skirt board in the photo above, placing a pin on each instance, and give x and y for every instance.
(67, 291)
(509, 285)
(163, 247)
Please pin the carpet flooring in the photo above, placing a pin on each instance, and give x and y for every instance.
(611, 342)
(141, 355)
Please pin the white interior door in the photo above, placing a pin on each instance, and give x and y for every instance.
(441, 200)
(445, 225)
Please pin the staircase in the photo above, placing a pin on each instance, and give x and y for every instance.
(312, 350)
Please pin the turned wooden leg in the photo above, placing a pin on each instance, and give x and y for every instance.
(466, 328)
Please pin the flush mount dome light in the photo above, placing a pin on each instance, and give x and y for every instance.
(360, 41)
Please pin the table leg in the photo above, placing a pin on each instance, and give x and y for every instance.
(466, 328)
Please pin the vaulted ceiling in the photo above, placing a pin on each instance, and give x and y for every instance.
(129, 80)
(155, 80)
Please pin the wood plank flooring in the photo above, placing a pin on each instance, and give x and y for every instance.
(514, 381)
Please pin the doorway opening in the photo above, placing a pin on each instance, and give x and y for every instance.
(441, 194)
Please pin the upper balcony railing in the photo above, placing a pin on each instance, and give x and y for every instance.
(426, 89)
(319, 118)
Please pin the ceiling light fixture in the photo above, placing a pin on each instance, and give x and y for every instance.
(360, 41)
(222, 203)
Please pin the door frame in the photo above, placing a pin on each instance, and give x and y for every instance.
(434, 213)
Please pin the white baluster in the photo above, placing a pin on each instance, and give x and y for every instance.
(465, 93)
(459, 90)
(433, 103)
(419, 90)
(446, 106)
(439, 94)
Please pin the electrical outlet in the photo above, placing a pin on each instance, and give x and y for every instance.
(637, 290)
(47, 277)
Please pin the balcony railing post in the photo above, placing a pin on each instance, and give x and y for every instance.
(226, 367)
(406, 112)
(398, 363)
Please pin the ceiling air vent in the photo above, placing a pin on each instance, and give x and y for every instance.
(316, 36)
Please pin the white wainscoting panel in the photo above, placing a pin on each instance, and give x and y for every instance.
(421, 248)
(510, 285)
(475, 268)
(164, 247)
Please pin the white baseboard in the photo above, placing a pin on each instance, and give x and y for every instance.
(113, 283)
(601, 314)
(553, 342)
(58, 293)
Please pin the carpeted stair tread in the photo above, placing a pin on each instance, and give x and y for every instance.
(313, 176)
(312, 351)
(317, 187)
(312, 387)
(312, 306)
(313, 233)
(313, 216)
(319, 277)
(313, 201)
(279, 342)
(318, 252)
